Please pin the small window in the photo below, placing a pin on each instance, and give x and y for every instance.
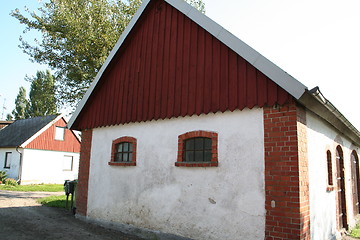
(59, 133)
(197, 149)
(8, 156)
(330, 172)
(123, 152)
(68, 163)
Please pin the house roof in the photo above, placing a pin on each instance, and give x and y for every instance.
(295, 88)
(19, 132)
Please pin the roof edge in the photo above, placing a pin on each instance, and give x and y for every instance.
(315, 101)
(23, 145)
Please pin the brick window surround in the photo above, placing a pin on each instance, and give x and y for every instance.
(181, 149)
(113, 151)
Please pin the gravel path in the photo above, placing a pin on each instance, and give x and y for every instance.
(22, 218)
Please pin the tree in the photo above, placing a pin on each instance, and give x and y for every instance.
(21, 103)
(42, 99)
(77, 36)
(9, 117)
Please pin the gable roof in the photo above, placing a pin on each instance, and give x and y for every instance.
(21, 131)
(295, 88)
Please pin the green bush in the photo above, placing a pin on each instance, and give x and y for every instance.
(10, 182)
(3, 176)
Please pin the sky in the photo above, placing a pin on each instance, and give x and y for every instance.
(316, 42)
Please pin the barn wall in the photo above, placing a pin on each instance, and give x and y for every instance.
(224, 202)
(168, 67)
(15, 162)
(323, 137)
(47, 141)
(47, 166)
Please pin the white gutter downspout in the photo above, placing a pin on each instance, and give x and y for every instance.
(20, 166)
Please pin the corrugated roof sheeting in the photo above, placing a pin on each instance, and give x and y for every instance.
(168, 67)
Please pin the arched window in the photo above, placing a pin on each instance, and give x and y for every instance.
(123, 152)
(197, 149)
(330, 171)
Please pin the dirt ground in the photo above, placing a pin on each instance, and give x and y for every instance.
(22, 218)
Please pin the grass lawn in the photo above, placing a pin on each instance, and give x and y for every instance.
(355, 233)
(54, 201)
(34, 188)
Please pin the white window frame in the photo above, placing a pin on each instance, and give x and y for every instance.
(59, 133)
(68, 163)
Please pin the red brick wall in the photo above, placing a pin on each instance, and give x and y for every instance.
(286, 173)
(84, 167)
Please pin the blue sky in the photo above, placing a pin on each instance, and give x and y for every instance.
(317, 42)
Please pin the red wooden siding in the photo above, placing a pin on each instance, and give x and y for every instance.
(46, 140)
(168, 67)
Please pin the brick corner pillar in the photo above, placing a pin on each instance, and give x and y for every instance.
(286, 173)
(83, 178)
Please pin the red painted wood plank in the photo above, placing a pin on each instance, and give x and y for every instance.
(192, 71)
(215, 83)
(224, 79)
(233, 81)
(154, 60)
(261, 89)
(179, 64)
(208, 73)
(186, 68)
(242, 82)
(160, 63)
(166, 63)
(272, 96)
(200, 73)
(251, 86)
(147, 77)
(172, 67)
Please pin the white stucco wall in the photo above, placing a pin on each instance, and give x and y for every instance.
(13, 171)
(323, 206)
(41, 166)
(224, 202)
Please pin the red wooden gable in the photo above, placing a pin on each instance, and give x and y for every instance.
(46, 140)
(168, 66)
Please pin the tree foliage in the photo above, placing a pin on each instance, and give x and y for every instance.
(21, 104)
(42, 99)
(77, 36)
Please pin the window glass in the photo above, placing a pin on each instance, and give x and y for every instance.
(198, 150)
(59, 133)
(124, 152)
(68, 163)
(8, 156)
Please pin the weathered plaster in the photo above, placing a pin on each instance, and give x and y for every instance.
(224, 202)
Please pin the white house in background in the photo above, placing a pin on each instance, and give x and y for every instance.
(187, 130)
(39, 150)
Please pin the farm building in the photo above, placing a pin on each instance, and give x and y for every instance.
(39, 150)
(187, 130)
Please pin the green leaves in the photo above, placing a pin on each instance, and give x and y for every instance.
(77, 37)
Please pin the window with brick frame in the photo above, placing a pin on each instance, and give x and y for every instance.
(197, 149)
(330, 181)
(123, 152)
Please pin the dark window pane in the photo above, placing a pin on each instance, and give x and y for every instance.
(199, 143)
(118, 157)
(207, 156)
(125, 157)
(130, 157)
(207, 143)
(130, 147)
(119, 147)
(189, 156)
(126, 147)
(189, 144)
(199, 156)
